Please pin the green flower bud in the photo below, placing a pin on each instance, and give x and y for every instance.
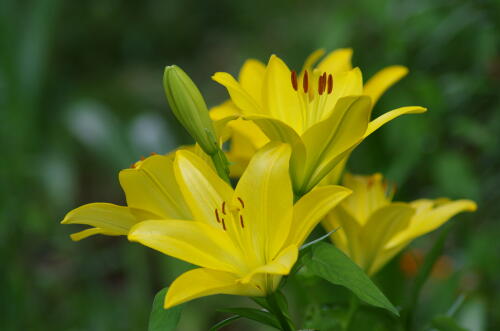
(190, 108)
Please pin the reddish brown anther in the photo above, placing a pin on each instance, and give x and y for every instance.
(321, 86)
(224, 207)
(223, 225)
(330, 83)
(241, 222)
(153, 153)
(142, 158)
(305, 81)
(295, 85)
(241, 201)
(132, 165)
(217, 215)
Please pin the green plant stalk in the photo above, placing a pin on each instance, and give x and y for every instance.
(276, 311)
(221, 165)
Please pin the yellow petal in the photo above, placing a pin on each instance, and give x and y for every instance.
(382, 80)
(390, 115)
(109, 219)
(347, 236)
(151, 186)
(90, 232)
(281, 265)
(279, 97)
(369, 195)
(336, 61)
(266, 190)
(277, 130)
(190, 241)
(312, 59)
(251, 76)
(202, 282)
(225, 109)
(427, 220)
(241, 98)
(381, 227)
(328, 141)
(202, 188)
(311, 208)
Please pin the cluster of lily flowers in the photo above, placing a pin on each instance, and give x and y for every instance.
(284, 137)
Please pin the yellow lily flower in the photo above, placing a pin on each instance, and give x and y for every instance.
(244, 240)
(323, 113)
(372, 228)
(151, 193)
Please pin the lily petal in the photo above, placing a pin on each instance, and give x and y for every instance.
(251, 76)
(311, 208)
(337, 61)
(278, 95)
(277, 130)
(382, 80)
(190, 241)
(266, 190)
(107, 218)
(328, 140)
(241, 98)
(428, 220)
(202, 189)
(202, 282)
(151, 186)
(281, 265)
(381, 227)
(390, 115)
(312, 59)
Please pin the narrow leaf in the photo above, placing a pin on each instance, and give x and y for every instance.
(329, 263)
(225, 322)
(162, 319)
(253, 314)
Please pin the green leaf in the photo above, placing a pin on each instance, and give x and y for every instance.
(446, 323)
(162, 319)
(253, 314)
(329, 263)
(225, 322)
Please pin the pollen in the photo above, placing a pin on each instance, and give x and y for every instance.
(223, 225)
(295, 84)
(330, 83)
(241, 201)
(241, 222)
(305, 82)
(217, 215)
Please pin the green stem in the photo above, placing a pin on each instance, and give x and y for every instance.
(353, 307)
(221, 165)
(276, 310)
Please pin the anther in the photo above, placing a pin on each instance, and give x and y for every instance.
(305, 81)
(224, 207)
(295, 85)
(241, 222)
(217, 215)
(142, 158)
(223, 225)
(132, 165)
(153, 153)
(330, 83)
(321, 84)
(241, 201)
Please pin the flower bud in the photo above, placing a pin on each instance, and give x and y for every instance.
(189, 107)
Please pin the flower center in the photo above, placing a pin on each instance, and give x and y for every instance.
(312, 100)
(235, 211)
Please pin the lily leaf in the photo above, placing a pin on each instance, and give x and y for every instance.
(225, 322)
(331, 264)
(253, 314)
(162, 319)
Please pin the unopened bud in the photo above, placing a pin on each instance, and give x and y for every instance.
(190, 108)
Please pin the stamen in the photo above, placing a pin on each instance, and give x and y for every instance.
(217, 215)
(241, 201)
(142, 158)
(295, 85)
(321, 84)
(223, 225)
(132, 165)
(224, 207)
(241, 222)
(305, 81)
(330, 83)
(153, 153)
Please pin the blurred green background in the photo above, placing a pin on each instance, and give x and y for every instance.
(81, 97)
